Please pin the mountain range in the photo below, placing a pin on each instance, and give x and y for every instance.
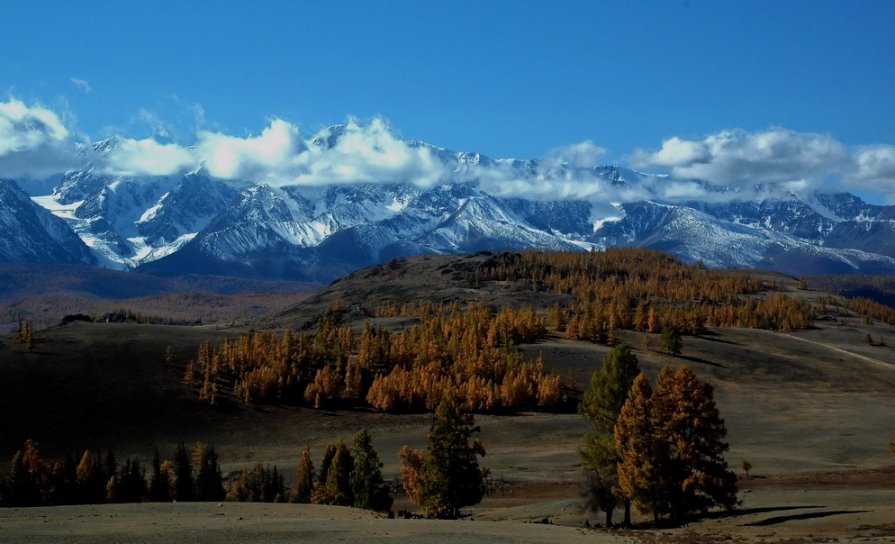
(190, 222)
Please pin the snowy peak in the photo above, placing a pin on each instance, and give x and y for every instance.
(328, 137)
(192, 222)
(30, 233)
(77, 185)
(186, 209)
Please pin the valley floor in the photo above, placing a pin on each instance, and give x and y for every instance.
(768, 514)
(812, 411)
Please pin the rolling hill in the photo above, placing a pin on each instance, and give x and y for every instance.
(810, 409)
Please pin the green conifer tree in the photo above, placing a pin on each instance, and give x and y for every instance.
(448, 476)
(338, 489)
(209, 480)
(602, 403)
(131, 482)
(159, 484)
(671, 341)
(183, 475)
(326, 462)
(370, 490)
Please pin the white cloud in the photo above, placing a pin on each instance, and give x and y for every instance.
(131, 157)
(874, 169)
(23, 127)
(34, 142)
(280, 156)
(734, 157)
(550, 179)
(582, 155)
(269, 157)
(368, 153)
(81, 84)
(159, 127)
(676, 151)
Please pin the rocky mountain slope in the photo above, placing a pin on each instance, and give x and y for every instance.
(190, 222)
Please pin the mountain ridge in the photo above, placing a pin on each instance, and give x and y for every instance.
(190, 222)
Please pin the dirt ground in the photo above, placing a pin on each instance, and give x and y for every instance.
(766, 515)
(267, 523)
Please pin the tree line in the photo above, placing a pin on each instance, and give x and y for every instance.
(98, 478)
(657, 448)
(645, 290)
(346, 477)
(469, 353)
(866, 307)
(440, 479)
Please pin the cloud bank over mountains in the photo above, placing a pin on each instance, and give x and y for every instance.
(33, 142)
(36, 144)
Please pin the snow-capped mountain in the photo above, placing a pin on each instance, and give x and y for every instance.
(190, 222)
(30, 233)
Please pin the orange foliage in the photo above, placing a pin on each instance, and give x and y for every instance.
(469, 353)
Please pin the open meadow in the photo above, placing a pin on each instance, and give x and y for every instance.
(811, 410)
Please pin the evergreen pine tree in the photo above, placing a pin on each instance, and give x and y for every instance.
(671, 341)
(131, 482)
(603, 401)
(600, 490)
(159, 484)
(69, 492)
(209, 481)
(448, 476)
(338, 478)
(609, 387)
(110, 464)
(183, 475)
(273, 488)
(370, 490)
(110, 475)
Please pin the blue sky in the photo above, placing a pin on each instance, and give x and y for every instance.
(504, 78)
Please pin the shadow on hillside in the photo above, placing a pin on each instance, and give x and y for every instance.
(699, 360)
(750, 511)
(715, 337)
(806, 515)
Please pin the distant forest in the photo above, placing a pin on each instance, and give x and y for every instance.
(472, 351)
(347, 477)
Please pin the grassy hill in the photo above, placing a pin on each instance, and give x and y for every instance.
(811, 409)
